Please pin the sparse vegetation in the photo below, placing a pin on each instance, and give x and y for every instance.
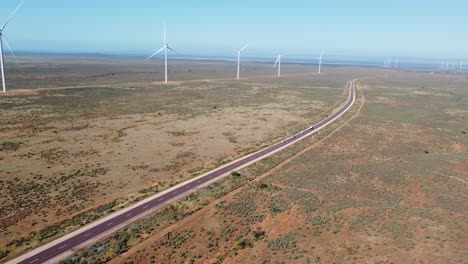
(368, 192)
(388, 183)
(78, 148)
(10, 146)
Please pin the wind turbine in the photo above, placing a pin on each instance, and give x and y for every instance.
(239, 51)
(387, 63)
(166, 47)
(278, 63)
(320, 62)
(3, 39)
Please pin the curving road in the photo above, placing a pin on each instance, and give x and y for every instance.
(66, 245)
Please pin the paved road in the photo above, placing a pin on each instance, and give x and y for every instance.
(87, 235)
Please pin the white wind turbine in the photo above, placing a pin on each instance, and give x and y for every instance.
(278, 63)
(3, 39)
(166, 47)
(239, 51)
(388, 62)
(320, 62)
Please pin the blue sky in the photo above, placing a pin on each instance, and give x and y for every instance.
(296, 27)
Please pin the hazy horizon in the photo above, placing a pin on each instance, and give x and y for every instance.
(331, 59)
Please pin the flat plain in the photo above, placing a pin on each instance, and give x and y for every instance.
(82, 139)
(388, 185)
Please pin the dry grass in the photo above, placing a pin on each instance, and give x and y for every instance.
(70, 156)
(390, 186)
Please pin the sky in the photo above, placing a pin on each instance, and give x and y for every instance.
(372, 28)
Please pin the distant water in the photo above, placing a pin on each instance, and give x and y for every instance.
(403, 62)
(419, 63)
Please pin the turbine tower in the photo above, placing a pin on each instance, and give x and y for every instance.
(387, 63)
(3, 39)
(165, 48)
(239, 51)
(278, 63)
(320, 62)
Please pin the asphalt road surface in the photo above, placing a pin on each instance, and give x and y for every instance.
(66, 245)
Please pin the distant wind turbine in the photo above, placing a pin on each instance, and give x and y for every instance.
(239, 51)
(320, 62)
(396, 63)
(389, 63)
(3, 39)
(278, 63)
(165, 48)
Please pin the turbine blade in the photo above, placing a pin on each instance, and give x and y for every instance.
(11, 16)
(243, 48)
(8, 45)
(154, 54)
(276, 63)
(321, 55)
(168, 47)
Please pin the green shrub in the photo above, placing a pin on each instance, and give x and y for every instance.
(235, 174)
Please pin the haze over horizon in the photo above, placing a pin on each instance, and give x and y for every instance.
(358, 28)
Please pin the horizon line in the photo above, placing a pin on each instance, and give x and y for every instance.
(226, 56)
